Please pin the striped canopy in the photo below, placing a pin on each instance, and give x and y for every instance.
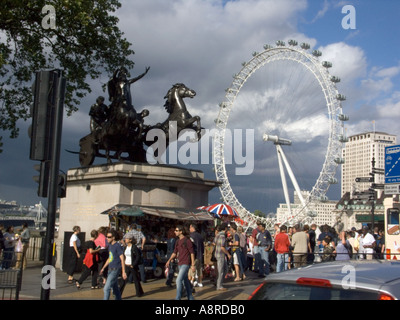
(220, 209)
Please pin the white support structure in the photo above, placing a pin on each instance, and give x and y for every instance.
(282, 157)
(291, 175)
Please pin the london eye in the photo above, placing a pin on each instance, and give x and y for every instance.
(285, 91)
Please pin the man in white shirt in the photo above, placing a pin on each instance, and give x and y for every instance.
(367, 241)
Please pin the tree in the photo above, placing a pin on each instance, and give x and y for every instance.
(81, 37)
(259, 213)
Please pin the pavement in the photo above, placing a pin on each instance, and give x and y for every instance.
(155, 289)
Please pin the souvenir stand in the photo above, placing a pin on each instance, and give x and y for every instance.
(155, 222)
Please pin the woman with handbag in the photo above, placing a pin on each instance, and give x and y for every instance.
(91, 262)
(74, 253)
(133, 259)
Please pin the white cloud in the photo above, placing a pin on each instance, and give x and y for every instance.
(388, 72)
(391, 107)
(348, 62)
(321, 13)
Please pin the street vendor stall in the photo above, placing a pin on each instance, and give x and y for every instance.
(155, 222)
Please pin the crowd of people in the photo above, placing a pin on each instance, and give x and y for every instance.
(230, 254)
(110, 258)
(13, 247)
(113, 259)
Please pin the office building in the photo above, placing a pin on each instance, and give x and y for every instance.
(358, 153)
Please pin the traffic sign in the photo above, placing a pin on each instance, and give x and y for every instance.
(392, 188)
(365, 179)
(392, 169)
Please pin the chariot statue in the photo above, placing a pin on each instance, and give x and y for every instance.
(118, 129)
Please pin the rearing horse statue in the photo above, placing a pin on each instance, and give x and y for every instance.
(177, 110)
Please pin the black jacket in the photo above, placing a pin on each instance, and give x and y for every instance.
(136, 256)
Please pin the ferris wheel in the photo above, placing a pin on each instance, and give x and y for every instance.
(292, 96)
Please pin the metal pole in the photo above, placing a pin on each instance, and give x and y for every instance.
(57, 119)
(373, 200)
(283, 178)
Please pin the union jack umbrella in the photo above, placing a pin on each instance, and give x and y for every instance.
(220, 209)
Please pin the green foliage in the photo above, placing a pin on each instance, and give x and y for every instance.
(259, 213)
(85, 43)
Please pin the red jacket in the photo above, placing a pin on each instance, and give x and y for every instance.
(282, 243)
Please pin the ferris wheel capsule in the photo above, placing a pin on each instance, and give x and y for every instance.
(327, 64)
(343, 117)
(317, 53)
(340, 97)
(305, 46)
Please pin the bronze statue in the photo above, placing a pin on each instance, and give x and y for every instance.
(177, 110)
(99, 115)
(119, 129)
(119, 87)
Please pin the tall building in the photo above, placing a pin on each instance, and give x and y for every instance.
(358, 153)
(322, 209)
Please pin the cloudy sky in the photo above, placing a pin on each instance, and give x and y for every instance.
(203, 43)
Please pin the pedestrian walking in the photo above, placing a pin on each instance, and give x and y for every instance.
(90, 262)
(132, 261)
(186, 259)
(18, 251)
(9, 247)
(209, 263)
(312, 242)
(25, 237)
(101, 241)
(256, 252)
(198, 246)
(264, 240)
(367, 243)
(282, 248)
(300, 246)
(74, 253)
(235, 250)
(115, 264)
(140, 242)
(243, 248)
(343, 248)
(171, 240)
(328, 250)
(220, 254)
(250, 253)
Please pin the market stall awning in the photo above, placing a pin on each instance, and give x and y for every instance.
(162, 212)
(124, 210)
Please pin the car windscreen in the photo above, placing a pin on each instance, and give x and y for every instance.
(285, 291)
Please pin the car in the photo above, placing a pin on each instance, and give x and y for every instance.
(334, 280)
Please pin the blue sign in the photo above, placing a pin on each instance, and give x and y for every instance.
(392, 164)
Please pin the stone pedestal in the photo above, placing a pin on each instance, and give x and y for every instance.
(94, 189)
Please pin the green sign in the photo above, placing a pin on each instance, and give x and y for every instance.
(368, 218)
